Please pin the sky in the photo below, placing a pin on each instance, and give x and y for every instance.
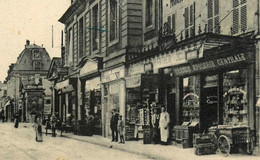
(22, 20)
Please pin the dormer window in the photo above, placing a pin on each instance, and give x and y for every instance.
(37, 65)
(36, 53)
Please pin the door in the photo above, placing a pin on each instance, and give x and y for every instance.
(209, 107)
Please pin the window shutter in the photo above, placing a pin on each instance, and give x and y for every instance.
(173, 22)
(191, 15)
(243, 1)
(235, 20)
(169, 23)
(216, 22)
(235, 16)
(210, 8)
(235, 3)
(216, 7)
(75, 44)
(243, 18)
(186, 16)
(210, 25)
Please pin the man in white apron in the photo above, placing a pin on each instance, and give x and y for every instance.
(163, 125)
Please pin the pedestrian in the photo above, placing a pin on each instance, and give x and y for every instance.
(16, 120)
(155, 124)
(163, 125)
(113, 125)
(53, 122)
(38, 128)
(121, 129)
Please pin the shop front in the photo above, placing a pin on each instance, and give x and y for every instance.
(216, 90)
(113, 96)
(91, 97)
(67, 100)
(141, 100)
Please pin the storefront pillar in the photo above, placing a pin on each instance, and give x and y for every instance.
(178, 102)
(79, 99)
(257, 89)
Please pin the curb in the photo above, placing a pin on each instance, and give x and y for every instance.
(116, 147)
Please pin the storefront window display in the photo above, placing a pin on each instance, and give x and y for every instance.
(235, 97)
(190, 108)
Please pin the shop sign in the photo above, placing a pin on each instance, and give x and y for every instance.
(113, 75)
(132, 82)
(210, 64)
(173, 58)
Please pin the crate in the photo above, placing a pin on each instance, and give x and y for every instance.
(205, 149)
(203, 138)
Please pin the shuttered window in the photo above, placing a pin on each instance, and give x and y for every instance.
(189, 18)
(210, 9)
(213, 16)
(243, 18)
(75, 45)
(239, 16)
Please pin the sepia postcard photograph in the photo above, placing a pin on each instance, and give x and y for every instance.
(129, 79)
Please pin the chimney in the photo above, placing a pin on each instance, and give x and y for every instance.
(27, 42)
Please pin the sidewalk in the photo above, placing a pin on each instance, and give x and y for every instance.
(160, 152)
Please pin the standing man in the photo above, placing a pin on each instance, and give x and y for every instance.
(113, 126)
(53, 121)
(163, 125)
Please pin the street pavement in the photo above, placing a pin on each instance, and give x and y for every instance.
(20, 144)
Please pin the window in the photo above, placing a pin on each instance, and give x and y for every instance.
(70, 50)
(213, 16)
(239, 16)
(75, 44)
(113, 20)
(190, 108)
(81, 38)
(149, 13)
(235, 97)
(95, 28)
(37, 66)
(189, 21)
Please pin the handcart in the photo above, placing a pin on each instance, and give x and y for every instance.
(232, 138)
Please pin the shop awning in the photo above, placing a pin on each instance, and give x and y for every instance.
(66, 89)
(62, 84)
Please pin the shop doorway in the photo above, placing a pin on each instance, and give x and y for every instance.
(209, 108)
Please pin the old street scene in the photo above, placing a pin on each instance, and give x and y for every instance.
(129, 79)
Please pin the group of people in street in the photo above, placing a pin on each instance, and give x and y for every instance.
(160, 126)
(51, 122)
(117, 126)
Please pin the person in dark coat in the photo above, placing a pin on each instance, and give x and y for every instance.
(16, 120)
(113, 126)
(155, 124)
(53, 121)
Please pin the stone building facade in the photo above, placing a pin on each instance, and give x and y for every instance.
(29, 71)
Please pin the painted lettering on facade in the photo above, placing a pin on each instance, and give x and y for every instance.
(211, 64)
